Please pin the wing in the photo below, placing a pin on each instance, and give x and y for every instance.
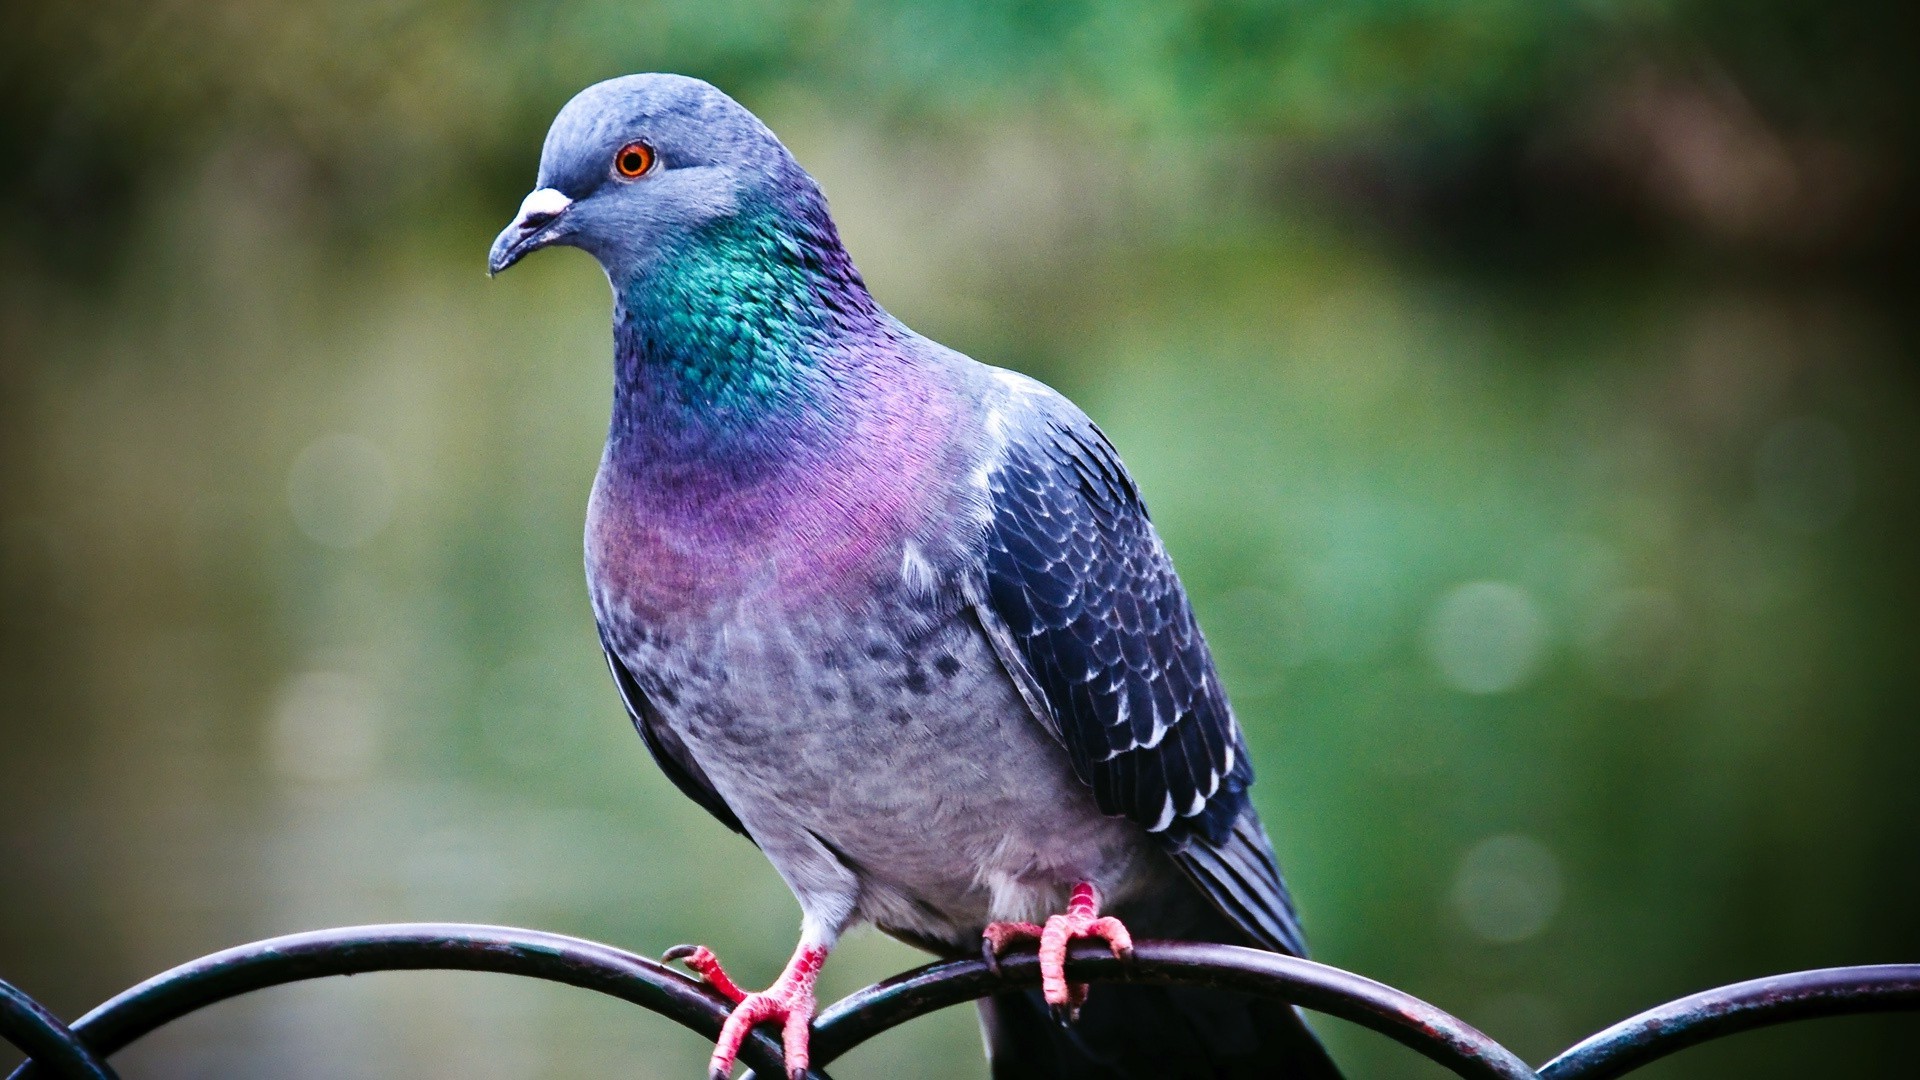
(1083, 604)
(668, 751)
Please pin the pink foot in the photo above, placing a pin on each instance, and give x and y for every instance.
(1081, 920)
(789, 1000)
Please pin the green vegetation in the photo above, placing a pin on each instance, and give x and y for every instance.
(1525, 390)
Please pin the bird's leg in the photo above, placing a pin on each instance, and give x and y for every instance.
(1082, 919)
(789, 1000)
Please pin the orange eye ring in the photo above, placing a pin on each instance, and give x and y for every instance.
(633, 159)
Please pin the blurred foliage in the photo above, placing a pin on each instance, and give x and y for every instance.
(1525, 390)
(388, 105)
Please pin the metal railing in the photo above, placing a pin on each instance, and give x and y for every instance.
(80, 1051)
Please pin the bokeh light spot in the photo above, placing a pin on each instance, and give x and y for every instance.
(1507, 888)
(326, 727)
(340, 490)
(1486, 637)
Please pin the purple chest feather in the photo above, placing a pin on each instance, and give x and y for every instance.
(695, 531)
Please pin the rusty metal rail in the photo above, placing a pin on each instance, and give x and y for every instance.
(80, 1051)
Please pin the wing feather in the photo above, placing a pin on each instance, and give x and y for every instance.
(668, 751)
(1089, 617)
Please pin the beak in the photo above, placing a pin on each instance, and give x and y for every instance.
(532, 229)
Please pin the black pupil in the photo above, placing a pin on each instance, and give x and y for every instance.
(630, 161)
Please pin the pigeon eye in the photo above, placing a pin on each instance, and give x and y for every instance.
(633, 159)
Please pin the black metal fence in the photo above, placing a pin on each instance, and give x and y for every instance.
(80, 1051)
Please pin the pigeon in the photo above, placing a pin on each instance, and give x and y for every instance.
(897, 616)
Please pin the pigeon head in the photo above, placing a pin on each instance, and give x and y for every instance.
(731, 286)
(643, 164)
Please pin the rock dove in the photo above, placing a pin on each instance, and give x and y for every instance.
(897, 616)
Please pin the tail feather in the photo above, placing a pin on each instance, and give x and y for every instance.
(1153, 1033)
(1238, 875)
(1231, 893)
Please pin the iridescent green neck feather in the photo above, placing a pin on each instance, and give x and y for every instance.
(748, 318)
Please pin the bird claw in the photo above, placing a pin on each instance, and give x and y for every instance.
(1067, 1013)
(789, 1000)
(788, 1003)
(998, 936)
(1080, 920)
(706, 965)
(989, 955)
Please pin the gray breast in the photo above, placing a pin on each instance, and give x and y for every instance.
(889, 733)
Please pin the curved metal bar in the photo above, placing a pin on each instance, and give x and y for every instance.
(41, 1036)
(1726, 1010)
(1402, 1017)
(411, 946)
(1622, 1048)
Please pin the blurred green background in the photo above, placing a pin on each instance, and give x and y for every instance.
(1526, 390)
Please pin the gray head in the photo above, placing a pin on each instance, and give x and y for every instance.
(632, 164)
